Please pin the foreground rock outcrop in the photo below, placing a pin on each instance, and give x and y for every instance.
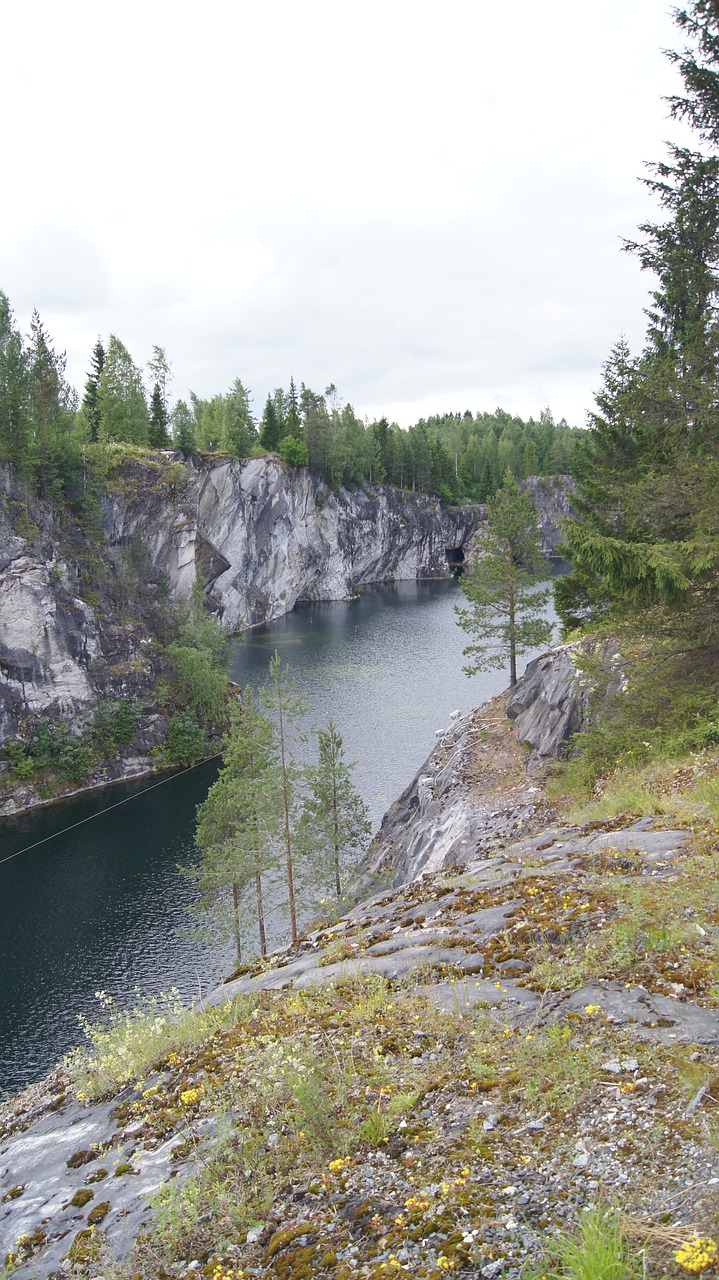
(478, 786)
(442, 1080)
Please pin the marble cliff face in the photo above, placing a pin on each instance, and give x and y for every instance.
(261, 537)
(264, 537)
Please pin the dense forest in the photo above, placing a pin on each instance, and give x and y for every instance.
(47, 428)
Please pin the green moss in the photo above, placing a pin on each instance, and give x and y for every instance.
(282, 1238)
(81, 1157)
(14, 1192)
(84, 1248)
(98, 1213)
(97, 1175)
(81, 1197)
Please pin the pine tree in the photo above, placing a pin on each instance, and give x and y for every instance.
(335, 816)
(506, 608)
(239, 824)
(287, 708)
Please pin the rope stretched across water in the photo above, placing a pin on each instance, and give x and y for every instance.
(101, 813)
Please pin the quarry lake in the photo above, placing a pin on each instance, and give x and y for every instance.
(101, 906)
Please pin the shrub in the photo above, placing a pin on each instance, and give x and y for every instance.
(294, 451)
(186, 742)
(201, 683)
(114, 723)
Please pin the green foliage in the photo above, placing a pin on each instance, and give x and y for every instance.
(157, 432)
(597, 1250)
(647, 532)
(198, 660)
(506, 613)
(113, 723)
(200, 684)
(239, 824)
(183, 428)
(121, 397)
(186, 741)
(90, 403)
(335, 818)
(53, 748)
(271, 427)
(294, 451)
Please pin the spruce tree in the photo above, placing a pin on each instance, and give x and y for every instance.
(158, 436)
(16, 445)
(647, 532)
(271, 429)
(90, 402)
(292, 421)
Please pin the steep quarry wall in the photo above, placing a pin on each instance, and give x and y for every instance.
(264, 537)
(260, 536)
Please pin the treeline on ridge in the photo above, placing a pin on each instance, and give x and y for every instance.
(47, 429)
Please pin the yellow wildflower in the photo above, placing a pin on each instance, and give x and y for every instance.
(697, 1254)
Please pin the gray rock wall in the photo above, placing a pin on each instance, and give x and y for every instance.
(260, 536)
(444, 818)
(264, 537)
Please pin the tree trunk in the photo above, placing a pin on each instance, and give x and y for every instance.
(288, 841)
(260, 914)
(512, 624)
(236, 923)
(336, 833)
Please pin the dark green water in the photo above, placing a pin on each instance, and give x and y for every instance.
(100, 906)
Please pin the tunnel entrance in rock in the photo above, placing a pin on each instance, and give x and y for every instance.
(455, 560)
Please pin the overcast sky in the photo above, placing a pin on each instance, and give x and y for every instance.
(420, 202)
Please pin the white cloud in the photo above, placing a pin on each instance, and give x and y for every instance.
(421, 203)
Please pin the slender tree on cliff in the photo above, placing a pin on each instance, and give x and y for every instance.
(90, 401)
(335, 816)
(239, 825)
(286, 707)
(506, 606)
